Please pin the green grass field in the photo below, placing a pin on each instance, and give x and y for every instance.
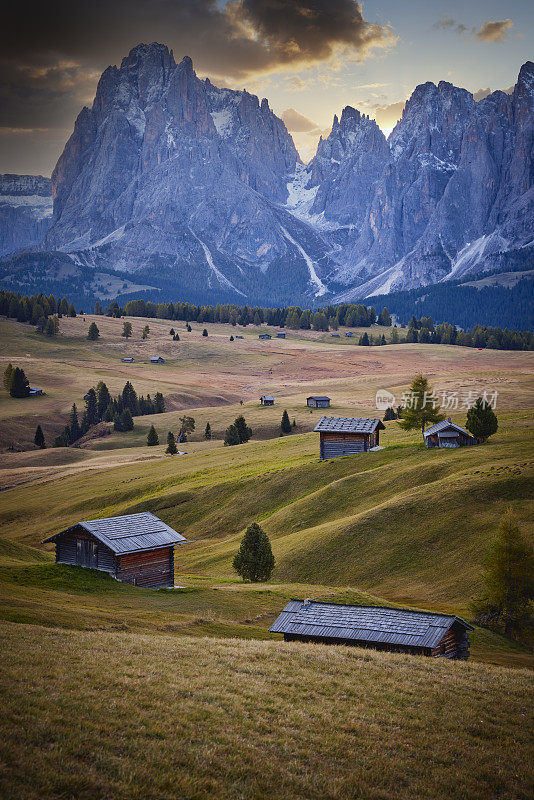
(195, 685)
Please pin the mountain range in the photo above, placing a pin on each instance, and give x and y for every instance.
(169, 182)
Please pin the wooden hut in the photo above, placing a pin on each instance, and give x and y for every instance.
(265, 336)
(267, 400)
(136, 548)
(128, 360)
(318, 401)
(35, 391)
(157, 360)
(280, 334)
(393, 629)
(343, 436)
(447, 434)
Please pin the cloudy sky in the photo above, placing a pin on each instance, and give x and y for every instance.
(310, 58)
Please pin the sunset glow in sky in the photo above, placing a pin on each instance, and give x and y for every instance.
(310, 58)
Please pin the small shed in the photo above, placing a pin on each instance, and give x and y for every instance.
(156, 360)
(335, 335)
(343, 436)
(265, 336)
(267, 400)
(128, 360)
(447, 434)
(239, 336)
(135, 548)
(280, 334)
(35, 391)
(318, 401)
(349, 333)
(393, 629)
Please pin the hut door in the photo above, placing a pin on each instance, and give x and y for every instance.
(86, 553)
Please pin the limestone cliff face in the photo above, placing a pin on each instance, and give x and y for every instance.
(200, 190)
(25, 211)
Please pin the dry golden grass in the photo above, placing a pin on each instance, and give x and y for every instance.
(131, 716)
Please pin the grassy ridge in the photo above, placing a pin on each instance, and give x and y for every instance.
(120, 715)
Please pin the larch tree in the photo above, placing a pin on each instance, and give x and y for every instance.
(420, 407)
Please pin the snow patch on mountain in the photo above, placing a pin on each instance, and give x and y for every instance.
(223, 121)
(314, 278)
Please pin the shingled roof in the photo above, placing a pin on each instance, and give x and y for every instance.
(347, 425)
(130, 533)
(364, 623)
(439, 427)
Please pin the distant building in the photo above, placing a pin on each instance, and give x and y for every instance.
(342, 436)
(238, 336)
(318, 401)
(35, 391)
(349, 333)
(265, 336)
(393, 629)
(267, 400)
(280, 334)
(156, 360)
(336, 335)
(135, 548)
(128, 360)
(447, 434)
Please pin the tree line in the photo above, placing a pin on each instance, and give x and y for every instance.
(43, 311)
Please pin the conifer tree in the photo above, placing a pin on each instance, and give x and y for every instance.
(204, 332)
(126, 330)
(231, 436)
(98, 309)
(254, 561)
(509, 579)
(481, 420)
(129, 398)
(8, 376)
(285, 425)
(231, 338)
(159, 403)
(103, 399)
(152, 438)
(93, 333)
(421, 407)
(243, 431)
(171, 444)
(74, 425)
(146, 331)
(207, 432)
(91, 407)
(20, 386)
(39, 438)
(364, 340)
(72, 310)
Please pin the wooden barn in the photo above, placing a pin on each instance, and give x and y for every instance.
(136, 548)
(393, 629)
(280, 334)
(341, 436)
(267, 400)
(265, 336)
(447, 434)
(318, 401)
(128, 360)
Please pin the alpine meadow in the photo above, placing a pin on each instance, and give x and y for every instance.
(266, 412)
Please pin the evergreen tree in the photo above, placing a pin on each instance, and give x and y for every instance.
(98, 309)
(8, 376)
(91, 407)
(126, 330)
(103, 399)
(71, 310)
(364, 340)
(509, 579)
(421, 407)
(50, 326)
(172, 332)
(204, 332)
(244, 432)
(74, 425)
(231, 338)
(152, 439)
(39, 438)
(159, 403)
(389, 414)
(254, 561)
(384, 318)
(187, 426)
(93, 332)
(481, 420)
(231, 436)
(63, 440)
(412, 336)
(20, 386)
(285, 425)
(146, 331)
(123, 421)
(207, 432)
(129, 399)
(171, 444)
(189, 328)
